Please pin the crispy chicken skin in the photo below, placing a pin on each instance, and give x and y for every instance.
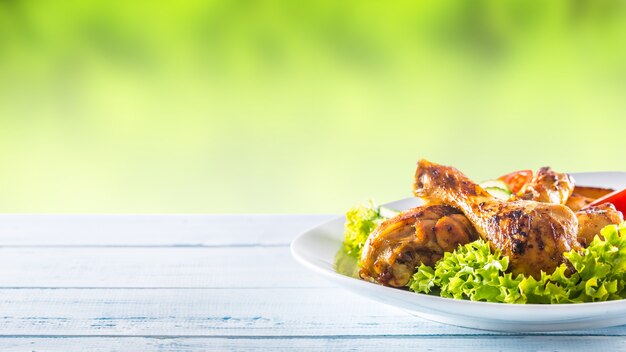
(592, 219)
(534, 235)
(576, 202)
(584, 195)
(553, 187)
(419, 235)
(548, 186)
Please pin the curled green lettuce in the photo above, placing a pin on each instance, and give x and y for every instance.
(361, 220)
(475, 272)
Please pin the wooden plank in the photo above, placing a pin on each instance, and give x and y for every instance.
(393, 343)
(411, 343)
(143, 267)
(253, 313)
(153, 230)
(204, 312)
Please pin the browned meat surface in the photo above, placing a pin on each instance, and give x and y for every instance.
(416, 236)
(592, 219)
(533, 234)
(548, 186)
(577, 202)
(583, 196)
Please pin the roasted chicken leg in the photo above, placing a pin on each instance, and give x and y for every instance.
(533, 235)
(416, 236)
(548, 186)
(592, 219)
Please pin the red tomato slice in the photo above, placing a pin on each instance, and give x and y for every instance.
(517, 180)
(617, 198)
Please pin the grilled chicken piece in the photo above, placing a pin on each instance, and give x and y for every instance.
(583, 196)
(577, 202)
(592, 219)
(534, 235)
(416, 236)
(548, 186)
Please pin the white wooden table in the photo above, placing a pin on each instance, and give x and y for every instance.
(214, 282)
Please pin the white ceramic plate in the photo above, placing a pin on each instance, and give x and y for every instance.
(316, 250)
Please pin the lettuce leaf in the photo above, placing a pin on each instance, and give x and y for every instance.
(601, 267)
(472, 272)
(361, 221)
(475, 272)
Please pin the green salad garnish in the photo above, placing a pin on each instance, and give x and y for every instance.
(475, 272)
(361, 220)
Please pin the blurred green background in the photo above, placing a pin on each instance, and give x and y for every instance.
(291, 106)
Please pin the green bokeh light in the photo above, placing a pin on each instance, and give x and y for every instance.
(283, 106)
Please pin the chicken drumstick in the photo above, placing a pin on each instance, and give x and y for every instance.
(417, 236)
(533, 235)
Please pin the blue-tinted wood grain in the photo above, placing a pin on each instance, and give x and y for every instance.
(205, 282)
